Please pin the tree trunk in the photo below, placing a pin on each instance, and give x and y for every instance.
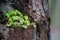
(37, 10)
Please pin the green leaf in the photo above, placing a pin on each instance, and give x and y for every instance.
(15, 17)
(7, 15)
(13, 13)
(10, 13)
(21, 15)
(15, 24)
(10, 19)
(33, 23)
(21, 20)
(9, 24)
(16, 11)
(24, 26)
(26, 17)
(27, 22)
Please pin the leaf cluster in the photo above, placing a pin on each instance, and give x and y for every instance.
(17, 19)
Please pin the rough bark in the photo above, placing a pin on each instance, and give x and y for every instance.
(37, 10)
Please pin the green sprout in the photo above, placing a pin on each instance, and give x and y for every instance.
(17, 19)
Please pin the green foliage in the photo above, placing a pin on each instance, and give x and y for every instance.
(17, 19)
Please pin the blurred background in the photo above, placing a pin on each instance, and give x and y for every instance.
(54, 10)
